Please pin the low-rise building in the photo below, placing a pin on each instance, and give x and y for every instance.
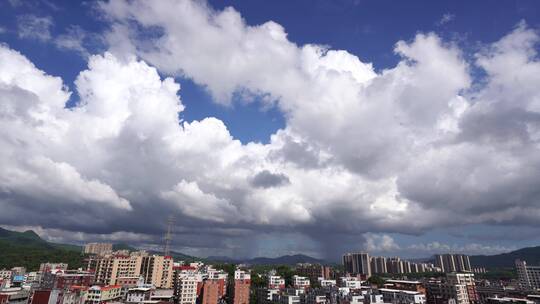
(100, 294)
(396, 296)
(300, 282)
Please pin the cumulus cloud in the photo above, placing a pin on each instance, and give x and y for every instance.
(380, 243)
(403, 150)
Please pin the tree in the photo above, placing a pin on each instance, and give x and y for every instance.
(376, 280)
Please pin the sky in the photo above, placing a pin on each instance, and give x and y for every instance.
(273, 127)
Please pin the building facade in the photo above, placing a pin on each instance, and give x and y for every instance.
(357, 264)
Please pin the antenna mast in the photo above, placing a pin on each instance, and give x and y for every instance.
(168, 236)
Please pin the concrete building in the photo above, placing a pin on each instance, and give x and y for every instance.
(396, 296)
(350, 282)
(46, 267)
(211, 292)
(98, 248)
(138, 294)
(438, 292)
(66, 279)
(314, 271)
(378, 265)
(507, 300)
(5, 274)
(157, 270)
(276, 282)
(300, 282)
(186, 286)
(357, 263)
(327, 283)
(15, 295)
(100, 294)
(289, 299)
(110, 269)
(416, 286)
(453, 262)
(241, 287)
(528, 276)
(466, 279)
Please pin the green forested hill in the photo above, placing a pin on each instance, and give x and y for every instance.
(29, 250)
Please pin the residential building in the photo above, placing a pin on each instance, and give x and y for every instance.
(100, 294)
(157, 270)
(507, 300)
(396, 296)
(241, 287)
(15, 295)
(138, 294)
(453, 262)
(327, 283)
(357, 263)
(276, 282)
(187, 285)
(528, 276)
(46, 267)
(378, 265)
(98, 248)
(466, 279)
(314, 271)
(5, 274)
(60, 279)
(111, 269)
(300, 282)
(438, 292)
(350, 282)
(416, 286)
(212, 291)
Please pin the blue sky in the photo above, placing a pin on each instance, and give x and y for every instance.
(368, 29)
(258, 110)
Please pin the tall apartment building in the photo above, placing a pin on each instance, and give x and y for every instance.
(378, 265)
(241, 287)
(357, 263)
(453, 262)
(98, 248)
(157, 270)
(528, 276)
(213, 291)
(394, 265)
(186, 286)
(110, 269)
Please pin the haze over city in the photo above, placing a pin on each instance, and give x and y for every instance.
(268, 128)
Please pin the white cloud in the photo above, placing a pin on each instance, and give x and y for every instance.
(472, 248)
(34, 27)
(380, 243)
(446, 18)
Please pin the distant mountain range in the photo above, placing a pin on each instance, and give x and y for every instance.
(506, 260)
(29, 249)
(282, 260)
